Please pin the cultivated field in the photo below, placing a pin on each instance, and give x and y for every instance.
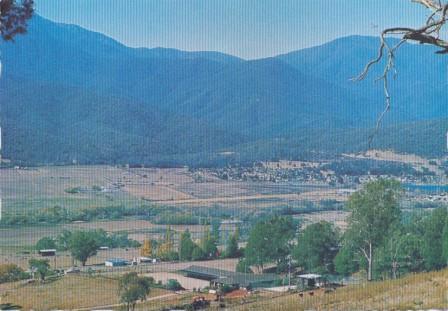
(43, 187)
(27, 190)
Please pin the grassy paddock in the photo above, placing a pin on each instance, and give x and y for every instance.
(67, 293)
(419, 291)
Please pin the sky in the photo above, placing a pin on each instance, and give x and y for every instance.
(246, 28)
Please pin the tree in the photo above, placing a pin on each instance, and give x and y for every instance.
(186, 246)
(208, 245)
(41, 267)
(216, 224)
(282, 231)
(258, 251)
(173, 285)
(345, 262)
(232, 247)
(132, 288)
(270, 241)
(445, 242)
(197, 254)
(82, 246)
(63, 240)
(374, 210)
(146, 249)
(165, 248)
(317, 246)
(243, 266)
(14, 16)
(46, 243)
(398, 253)
(433, 239)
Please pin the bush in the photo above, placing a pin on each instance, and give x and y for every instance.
(173, 285)
(197, 254)
(176, 219)
(11, 273)
(46, 243)
(243, 266)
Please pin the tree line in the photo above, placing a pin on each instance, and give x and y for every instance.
(379, 239)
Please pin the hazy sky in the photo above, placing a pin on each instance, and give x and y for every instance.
(245, 28)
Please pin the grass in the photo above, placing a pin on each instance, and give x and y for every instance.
(71, 202)
(66, 293)
(166, 303)
(418, 291)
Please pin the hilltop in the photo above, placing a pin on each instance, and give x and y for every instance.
(69, 94)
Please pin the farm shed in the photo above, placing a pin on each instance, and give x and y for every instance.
(310, 280)
(219, 278)
(47, 252)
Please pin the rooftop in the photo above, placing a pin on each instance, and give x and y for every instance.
(310, 276)
(229, 277)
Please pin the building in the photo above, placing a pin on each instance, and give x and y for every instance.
(310, 280)
(220, 278)
(115, 262)
(47, 252)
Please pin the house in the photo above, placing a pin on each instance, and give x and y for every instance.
(310, 280)
(47, 252)
(219, 278)
(115, 262)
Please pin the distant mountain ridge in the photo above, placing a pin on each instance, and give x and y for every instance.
(68, 94)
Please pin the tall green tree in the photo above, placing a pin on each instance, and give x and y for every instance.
(41, 267)
(198, 253)
(216, 224)
(346, 261)
(82, 246)
(317, 246)
(63, 240)
(270, 241)
(374, 211)
(232, 247)
(186, 246)
(433, 239)
(445, 242)
(400, 253)
(208, 244)
(132, 288)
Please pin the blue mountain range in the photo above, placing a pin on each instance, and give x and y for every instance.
(68, 94)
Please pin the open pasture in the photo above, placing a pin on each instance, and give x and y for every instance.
(76, 187)
(68, 293)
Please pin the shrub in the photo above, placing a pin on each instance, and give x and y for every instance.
(173, 285)
(46, 243)
(11, 273)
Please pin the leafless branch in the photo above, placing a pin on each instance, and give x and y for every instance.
(429, 33)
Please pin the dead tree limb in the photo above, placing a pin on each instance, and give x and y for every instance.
(428, 34)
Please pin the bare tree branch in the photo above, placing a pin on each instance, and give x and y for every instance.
(429, 33)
